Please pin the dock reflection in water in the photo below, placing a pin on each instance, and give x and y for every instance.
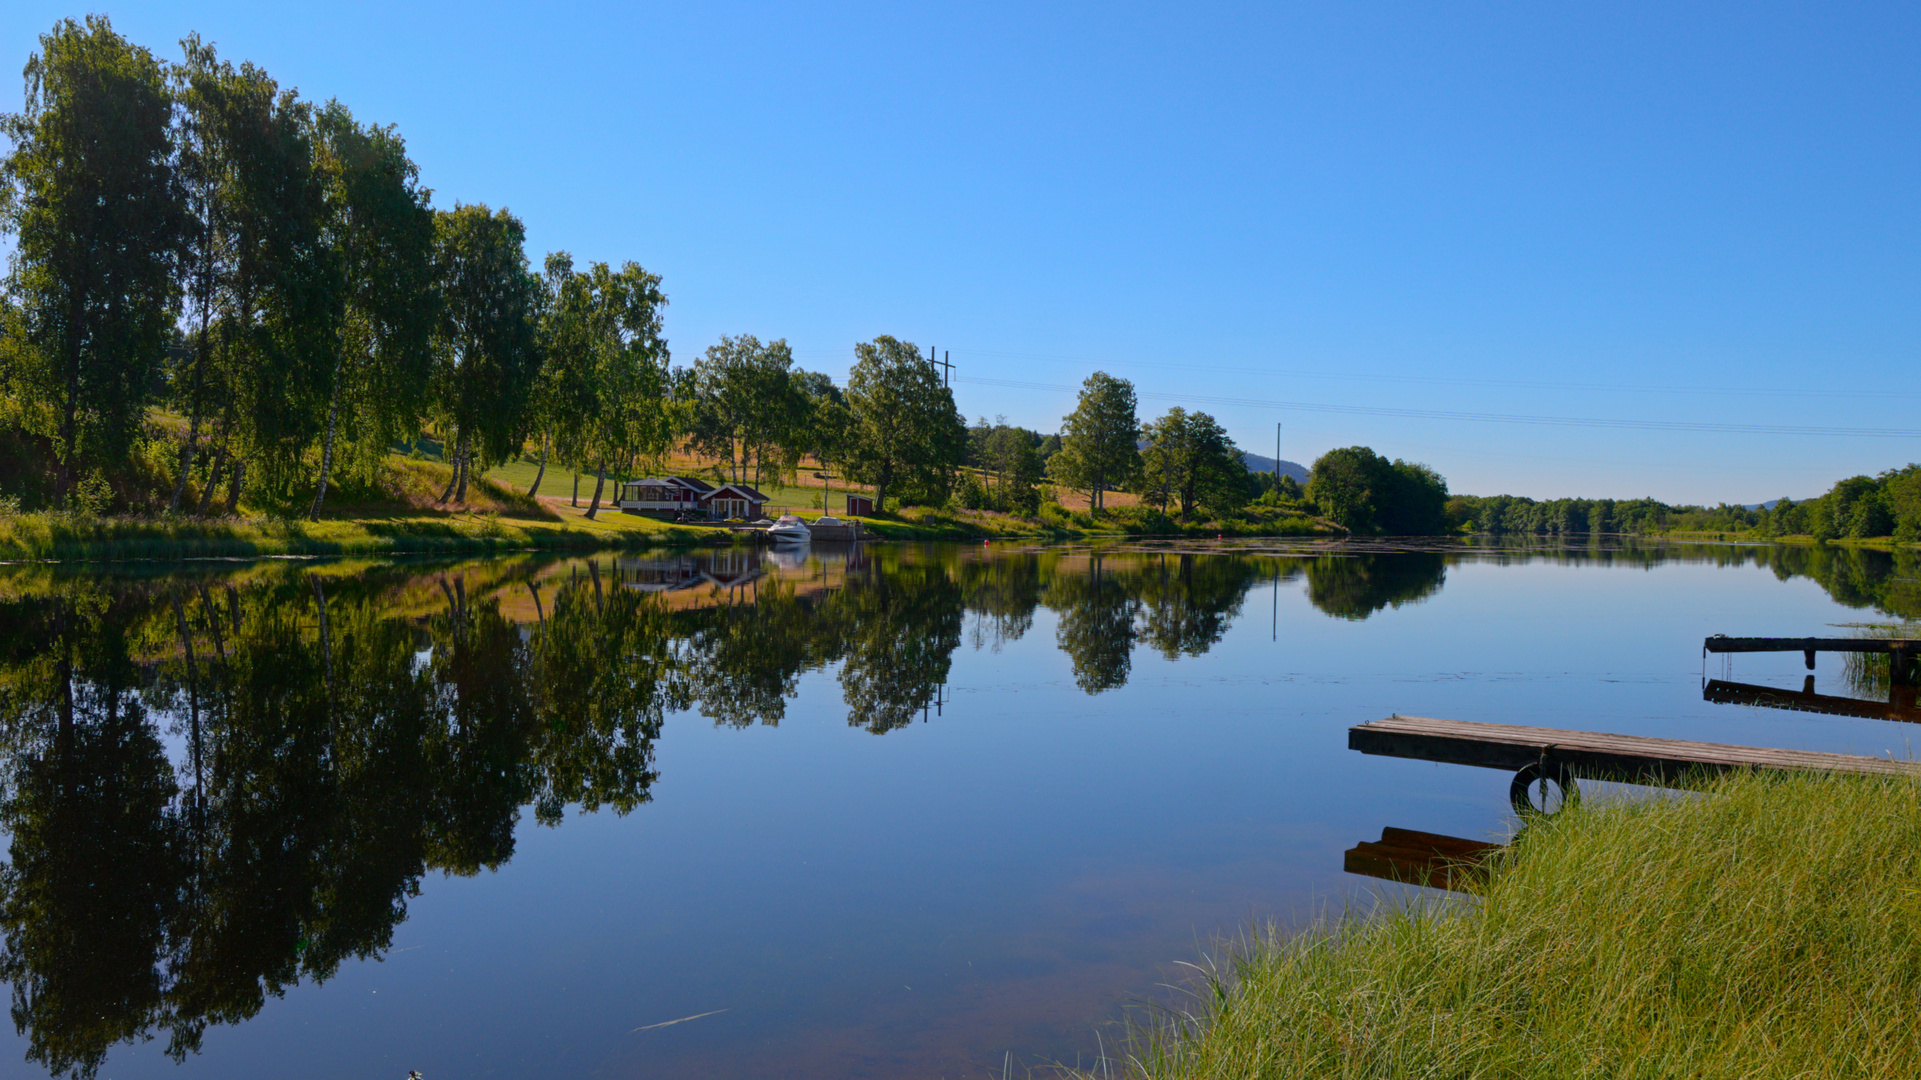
(1899, 706)
(1412, 857)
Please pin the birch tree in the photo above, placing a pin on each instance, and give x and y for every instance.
(610, 366)
(382, 233)
(487, 351)
(95, 211)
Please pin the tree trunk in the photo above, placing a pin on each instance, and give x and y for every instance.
(448, 448)
(63, 476)
(534, 490)
(327, 448)
(235, 479)
(193, 423)
(600, 482)
(576, 500)
(460, 469)
(193, 716)
(186, 457)
(213, 480)
(326, 639)
(63, 473)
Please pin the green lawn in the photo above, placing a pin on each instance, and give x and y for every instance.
(783, 498)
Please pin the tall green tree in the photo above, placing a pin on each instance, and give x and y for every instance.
(488, 352)
(1190, 460)
(96, 213)
(1098, 449)
(824, 433)
(903, 427)
(200, 164)
(749, 409)
(1014, 456)
(550, 412)
(267, 282)
(610, 352)
(381, 231)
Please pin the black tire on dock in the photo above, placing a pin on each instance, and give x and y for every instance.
(1542, 774)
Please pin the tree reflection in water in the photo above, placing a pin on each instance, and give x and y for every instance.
(341, 731)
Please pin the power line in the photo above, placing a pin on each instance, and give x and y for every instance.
(1514, 384)
(1489, 418)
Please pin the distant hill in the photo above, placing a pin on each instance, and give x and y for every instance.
(1257, 463)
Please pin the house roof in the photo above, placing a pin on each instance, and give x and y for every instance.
(692, 484)
(745, 491)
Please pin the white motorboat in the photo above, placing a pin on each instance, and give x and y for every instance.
(830, 521)
(789, 530)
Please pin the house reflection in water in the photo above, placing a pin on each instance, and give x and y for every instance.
(734, 575)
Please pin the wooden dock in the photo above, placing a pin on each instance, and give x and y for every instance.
(1592, 755)
(1420, 858)
(1904, 651)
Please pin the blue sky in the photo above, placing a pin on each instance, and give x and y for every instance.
(1699, 214)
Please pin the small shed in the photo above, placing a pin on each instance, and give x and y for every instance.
(860, 506)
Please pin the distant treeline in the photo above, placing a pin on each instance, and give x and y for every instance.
(1862, 507)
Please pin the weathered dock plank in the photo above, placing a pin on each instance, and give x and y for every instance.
(1594, 755)
(1721, 643)
(1904, 652)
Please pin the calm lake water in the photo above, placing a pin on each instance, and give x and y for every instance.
(896, 812)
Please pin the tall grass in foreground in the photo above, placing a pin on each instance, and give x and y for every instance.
(1771, 928)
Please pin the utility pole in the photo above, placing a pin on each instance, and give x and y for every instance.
(947, 376)
(1277, 455)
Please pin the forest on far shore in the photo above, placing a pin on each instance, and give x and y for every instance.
(1860, 507)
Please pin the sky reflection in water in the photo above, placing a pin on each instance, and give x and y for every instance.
(893, 813)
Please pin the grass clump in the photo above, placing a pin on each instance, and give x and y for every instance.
(1769, 928)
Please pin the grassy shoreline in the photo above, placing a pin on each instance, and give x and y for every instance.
(517, 525)
(1765, 928)
(58, 537)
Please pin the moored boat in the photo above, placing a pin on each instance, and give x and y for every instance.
(789, 530)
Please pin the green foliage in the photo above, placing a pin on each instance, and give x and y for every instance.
(92, 496)
(904, 435)
(1366, 493)
(1859, 507)
(96, 215)
(1010, 468)
(606, 371)
(751, 408)
(487, 344)
(381, 228)
(1097, 441)
(1190, 460)
(1901, 489)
